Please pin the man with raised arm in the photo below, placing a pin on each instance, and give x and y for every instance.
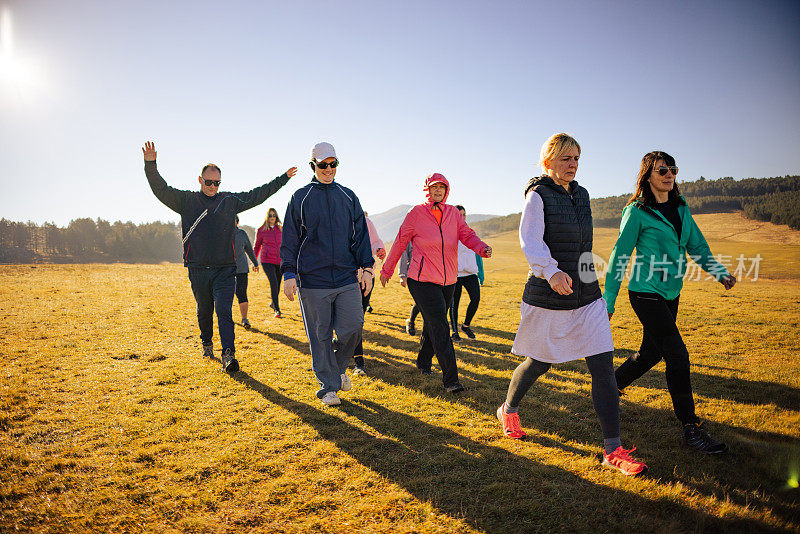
(324, 244)
(208, 223)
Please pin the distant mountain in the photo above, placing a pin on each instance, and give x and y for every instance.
(388, 222)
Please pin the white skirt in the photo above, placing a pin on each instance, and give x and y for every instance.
(557, 336)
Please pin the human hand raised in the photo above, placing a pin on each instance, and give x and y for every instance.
(149, 151)
(561, 283)
(291, 172)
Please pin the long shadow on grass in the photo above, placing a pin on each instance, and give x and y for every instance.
(554, 407)
(488, 487)
(738, 390)
(297, 344)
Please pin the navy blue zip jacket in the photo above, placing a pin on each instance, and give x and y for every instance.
(208, 223)
(325, 238)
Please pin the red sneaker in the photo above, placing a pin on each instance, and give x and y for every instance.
(511, 425)
(621, 460)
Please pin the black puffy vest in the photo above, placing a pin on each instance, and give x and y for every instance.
(568, 235)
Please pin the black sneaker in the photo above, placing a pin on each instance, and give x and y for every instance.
(695, 436)
(455, 337)
(467, 330)
(369, 309)
(246, 324)
(208, 350)
(229, 362)
(455, 388)
(411, 330)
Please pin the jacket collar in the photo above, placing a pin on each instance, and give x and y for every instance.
(547, 181)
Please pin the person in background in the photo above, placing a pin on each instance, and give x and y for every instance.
(563, 313)
(207, 227)
(324, 247)
(658, 224)
(434, 228)
(268, 244)
(470, 277)
(243, 250)
(402, 268)
(378, 249)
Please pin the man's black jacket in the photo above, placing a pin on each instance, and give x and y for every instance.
(208, 223)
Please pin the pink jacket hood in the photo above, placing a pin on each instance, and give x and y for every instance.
(435, 178)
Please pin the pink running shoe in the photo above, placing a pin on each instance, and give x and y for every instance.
(621, 460)
(511, 425)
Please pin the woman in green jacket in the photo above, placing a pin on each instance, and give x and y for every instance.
(657, 223)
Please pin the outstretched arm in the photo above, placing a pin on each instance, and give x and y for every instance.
(256, 196)
(172, 198)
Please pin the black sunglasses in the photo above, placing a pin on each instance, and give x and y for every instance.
(209, 183)
(322, 165)
(663, 170)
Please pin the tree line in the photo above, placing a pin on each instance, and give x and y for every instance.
(89, 241)
(775, 200)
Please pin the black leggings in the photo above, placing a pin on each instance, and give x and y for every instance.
(433, 301)
(273, 273)
(473, 287)
(241, 287)
(605, 397)
(359, 353)
(660, 339)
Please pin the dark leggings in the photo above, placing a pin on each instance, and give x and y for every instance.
(273, 273)
(473, 287)
(604, 388)
(241, 287)
(660, 339)
(359, 353)
(433, 300)
(414, 313)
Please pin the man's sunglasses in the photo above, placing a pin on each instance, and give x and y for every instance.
(209, 183)
(663, 170)
(322, 165)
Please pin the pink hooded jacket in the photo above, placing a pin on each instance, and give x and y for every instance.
(435, 247)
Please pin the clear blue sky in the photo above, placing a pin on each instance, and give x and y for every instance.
(402, 89)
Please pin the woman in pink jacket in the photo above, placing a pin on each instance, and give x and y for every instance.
(434, 229)
(268, 243)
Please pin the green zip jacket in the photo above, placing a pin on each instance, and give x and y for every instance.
(660, 260)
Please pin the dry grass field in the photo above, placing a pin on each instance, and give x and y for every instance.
(110, 419)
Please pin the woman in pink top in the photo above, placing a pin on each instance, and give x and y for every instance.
(434, 229)
(268, 243)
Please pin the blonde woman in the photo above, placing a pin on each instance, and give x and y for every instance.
(563, 313)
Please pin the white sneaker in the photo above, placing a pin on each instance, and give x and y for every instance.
(347, 385)
(331, 399)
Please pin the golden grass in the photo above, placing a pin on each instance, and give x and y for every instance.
(112, 421)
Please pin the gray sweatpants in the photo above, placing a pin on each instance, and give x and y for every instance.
(326, 310)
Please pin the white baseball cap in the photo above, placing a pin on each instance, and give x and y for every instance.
(322, 151)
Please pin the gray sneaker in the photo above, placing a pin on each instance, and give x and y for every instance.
(208, 350)
(331, 399)
(229, 362)
(347, 384)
